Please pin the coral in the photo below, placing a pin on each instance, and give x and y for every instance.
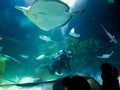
(50, 48)
(82, 51)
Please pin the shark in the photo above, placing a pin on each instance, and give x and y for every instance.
(112, 37)
(106, 55)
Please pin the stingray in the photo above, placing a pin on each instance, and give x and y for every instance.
(47, 14)
(106, 55)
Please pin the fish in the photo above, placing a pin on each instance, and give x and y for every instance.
(112, 38)
(106, 55)
(12, 39)
(40, 57)
(1, 38)
(42, 15)
(24, 56)
(73, 34)
(45, 38)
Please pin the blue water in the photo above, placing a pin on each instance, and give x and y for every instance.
(20, 36)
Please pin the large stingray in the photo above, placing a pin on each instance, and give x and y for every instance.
(47, 14)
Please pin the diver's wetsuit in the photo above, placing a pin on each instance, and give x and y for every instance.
(62, 61)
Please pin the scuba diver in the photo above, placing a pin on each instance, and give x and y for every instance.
(61, 61)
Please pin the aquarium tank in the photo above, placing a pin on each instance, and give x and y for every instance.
(35, 33)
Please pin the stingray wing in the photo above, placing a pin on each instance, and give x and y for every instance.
(48, 14)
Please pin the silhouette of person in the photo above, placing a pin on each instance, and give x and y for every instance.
(94, 84)
(76, 83)
(109, 77)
